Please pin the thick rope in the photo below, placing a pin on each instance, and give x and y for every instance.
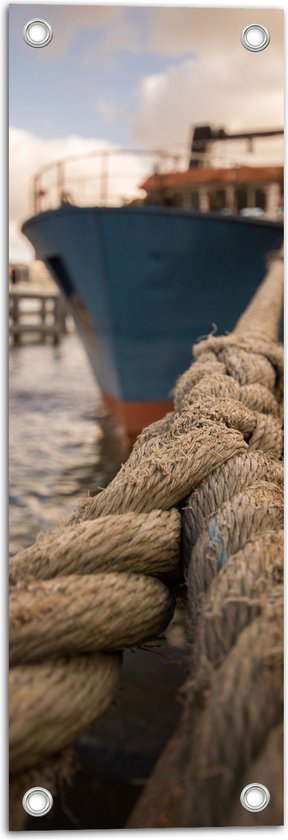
(161, 472)
(243, 701)
(232, 546)
(52, 702)
(267, 766)
(96, 610)
(84, 613)
(220, 446)
(233, 551)
(261, 318)
(130, 543)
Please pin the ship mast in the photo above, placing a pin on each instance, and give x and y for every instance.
(204, 135)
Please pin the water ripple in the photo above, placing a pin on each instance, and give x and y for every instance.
(62, 446)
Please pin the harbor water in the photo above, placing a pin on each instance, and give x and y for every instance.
(62, 444)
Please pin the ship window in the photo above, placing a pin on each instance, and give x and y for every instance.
(172, 199)
(260, 199)
(217, 199)
(241, 198)
(191, 200)
(195, 201)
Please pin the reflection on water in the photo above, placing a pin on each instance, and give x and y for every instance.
(62, 445)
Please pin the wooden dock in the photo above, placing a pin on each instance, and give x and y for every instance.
(35, 312)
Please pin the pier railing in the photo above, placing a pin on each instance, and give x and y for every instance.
(112, 177)
(36, 313)
(108, 176)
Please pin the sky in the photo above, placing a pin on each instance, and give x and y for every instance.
(133, 77)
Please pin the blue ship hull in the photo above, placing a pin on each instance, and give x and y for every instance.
(144, 284)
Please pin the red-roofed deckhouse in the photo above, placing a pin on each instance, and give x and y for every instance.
(219, 189)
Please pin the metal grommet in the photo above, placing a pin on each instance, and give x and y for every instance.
(37, 801)
(255, 37)
(37, 32)
(255, 797)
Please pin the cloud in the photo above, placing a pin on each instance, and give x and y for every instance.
(29, 152)
(223, 84)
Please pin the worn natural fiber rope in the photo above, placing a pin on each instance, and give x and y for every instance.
(232, 546)
(161, 473)
(64, 601)
(147, 543)
(243, 701)
(84, 613)
(237, 596)
(233, 549)
(267, 766)
(56, 699)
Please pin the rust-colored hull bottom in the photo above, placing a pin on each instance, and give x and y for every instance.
(133, 416)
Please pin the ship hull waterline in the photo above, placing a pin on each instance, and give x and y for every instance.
(144, 284)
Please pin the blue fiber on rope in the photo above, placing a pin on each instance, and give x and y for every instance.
(217, 542)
